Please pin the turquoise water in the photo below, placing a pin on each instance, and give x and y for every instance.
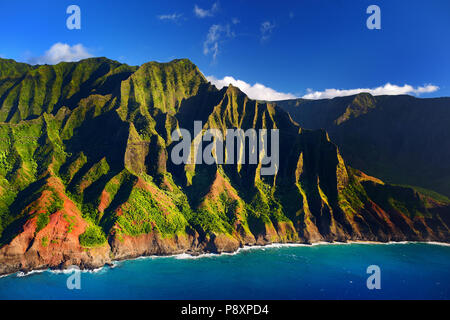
(408, 271)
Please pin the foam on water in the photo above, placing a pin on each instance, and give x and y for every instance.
(187, 256)
(278, 271)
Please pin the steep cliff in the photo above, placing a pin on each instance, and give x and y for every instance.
(400, 139)
(86, 174)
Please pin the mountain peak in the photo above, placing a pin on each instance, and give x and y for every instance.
(364, 98)
(364, 94)
(233, 90)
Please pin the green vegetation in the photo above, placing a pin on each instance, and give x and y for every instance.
(92, 237)
(142, 214)
(401, 199)
(44, 241)
(44, 218)
(90, 213)
(56, 203)
(71, 221)
(42, 221)
(98, 132)
(352, 198)
(208, 222)
(430, 193)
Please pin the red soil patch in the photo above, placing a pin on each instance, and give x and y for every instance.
(167, 184)
(105, 200)
(58, 236)
(119, 211)
(219, 186)
(361, 176)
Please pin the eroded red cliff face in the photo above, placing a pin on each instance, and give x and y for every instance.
(57, 244)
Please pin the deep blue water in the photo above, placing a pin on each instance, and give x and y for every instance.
(408, 271)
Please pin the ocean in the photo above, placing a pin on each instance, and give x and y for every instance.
(323, 271)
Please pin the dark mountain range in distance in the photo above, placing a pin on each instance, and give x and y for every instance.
(400, 139)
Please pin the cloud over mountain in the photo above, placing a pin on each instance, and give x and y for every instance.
(60, 52)
(387, 89)
(256, 91)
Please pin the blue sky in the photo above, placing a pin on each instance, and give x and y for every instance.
(287, 48)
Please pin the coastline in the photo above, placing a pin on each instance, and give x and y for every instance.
(185, 255)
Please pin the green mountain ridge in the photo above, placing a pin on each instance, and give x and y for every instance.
(400, 139)
(85, 173)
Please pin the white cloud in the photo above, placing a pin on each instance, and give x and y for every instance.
(62, 52)
(215, 34)
(170, 17)
(387, 89)
(266, 30)
(261, 92)
(211, 44)
(256, 91)
(203, 13)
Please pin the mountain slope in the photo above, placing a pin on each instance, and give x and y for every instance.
(86, 175)
(401, 139)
